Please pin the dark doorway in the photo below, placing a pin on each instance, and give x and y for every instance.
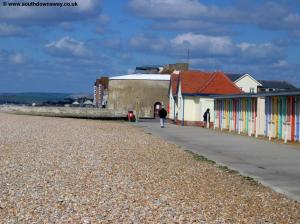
(157, 107)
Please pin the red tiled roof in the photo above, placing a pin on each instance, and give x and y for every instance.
(198, 82)
(174, 83)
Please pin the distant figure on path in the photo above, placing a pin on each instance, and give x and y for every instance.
(162, 116)
(206, 118)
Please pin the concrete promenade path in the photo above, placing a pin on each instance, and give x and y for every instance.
(273, 164)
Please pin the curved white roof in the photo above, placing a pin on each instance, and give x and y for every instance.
(142, 77)
(88, 102)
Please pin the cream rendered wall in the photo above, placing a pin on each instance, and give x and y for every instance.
(180, 102)
(195, 107)
(191, 105)
(206, 103)
(172, 105)
(246, 83)
(261, 119)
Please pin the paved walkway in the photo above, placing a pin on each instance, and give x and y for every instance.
(273, 164)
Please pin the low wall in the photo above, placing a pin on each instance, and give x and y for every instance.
(74, 112)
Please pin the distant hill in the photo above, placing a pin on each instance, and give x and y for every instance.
(39, 98)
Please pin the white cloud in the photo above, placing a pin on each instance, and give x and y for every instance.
(264, 52)
(167, 8)
(221, 49)
(17, 58)
(205, 44)
(87, 5)
(101, 23)
(10, 30)
(103, 19)
(242, 12)
(281, 64)
(69, 47)
(12, 58)
(32, 15)
(294, 18)
(143, 42)
(192, 25)
(111, 42)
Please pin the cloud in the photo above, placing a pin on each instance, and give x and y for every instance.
(57, 74)
(10, 30)
(260, 53)
(192, 25)
(68, 47)
(37, 15)
(67, 26)
(111, 43)
(145, 43)
(181, 12)
(204, 45)
(8, 58)
(221, 48)
(17, 58)
(101, 23)
(167, 8)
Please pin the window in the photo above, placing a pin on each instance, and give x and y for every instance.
(251, 90)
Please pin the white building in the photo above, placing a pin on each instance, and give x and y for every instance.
(190, 95)
(245, 82)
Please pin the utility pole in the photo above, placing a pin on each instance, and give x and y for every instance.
(188, 58)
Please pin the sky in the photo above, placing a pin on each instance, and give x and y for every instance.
(64, 49)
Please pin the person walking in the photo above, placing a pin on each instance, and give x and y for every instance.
(162, 116)
(206, 118)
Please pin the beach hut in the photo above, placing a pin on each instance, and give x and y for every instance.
(239, 113)
(270, 114)
(282, 115)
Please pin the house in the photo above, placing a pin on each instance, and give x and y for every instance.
(144, 94)
(165, 69)
(100, 92)
(193, 95)
(173, 98)
(245, 82)
(171, 68)
(88, 103)
(147, 69)
(274, 114)
(75, 104)
(274, 85)
(250, 85)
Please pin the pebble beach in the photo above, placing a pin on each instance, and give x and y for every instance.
(62, 170)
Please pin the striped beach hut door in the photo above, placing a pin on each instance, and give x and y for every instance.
(297, 114)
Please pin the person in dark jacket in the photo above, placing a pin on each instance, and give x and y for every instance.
(206, 118)
(162, 116)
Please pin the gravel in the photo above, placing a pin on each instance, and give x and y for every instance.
(60, 170)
